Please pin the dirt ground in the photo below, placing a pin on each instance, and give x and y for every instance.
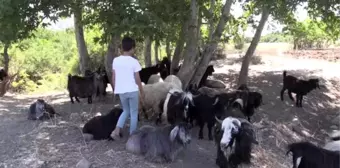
(59, 143)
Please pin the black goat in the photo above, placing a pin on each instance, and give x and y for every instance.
(204, 110)
(175, 107)
(208, 72)
(40, 110)
(161, 68)
(167, 63)
(101, 127)
(102, 80)
(159, 144)
(249, 100)
(234, 133)
(82, 87)
(3, 74)
(298, 86)
(313, 156)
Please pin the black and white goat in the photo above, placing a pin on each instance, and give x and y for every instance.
(249, 100)
(159, 144)
(313, 156)
(40, 110)
(298, 86)
(239, 136)
(101, 127)
(176, 106)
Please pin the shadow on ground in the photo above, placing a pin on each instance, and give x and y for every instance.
(59, 143)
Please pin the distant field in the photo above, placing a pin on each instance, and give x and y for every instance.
(264, 48)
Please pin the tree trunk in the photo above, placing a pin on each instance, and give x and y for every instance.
(147, 52)
(199, 24)
(6, 58)
(82, 49)
(167, 48)
(251, 49)
(179, 46)
(190, 51)
(112, 52)
(210, 48)
(211, 20)
(156, 51)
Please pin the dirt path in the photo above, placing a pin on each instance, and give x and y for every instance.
(59, 143)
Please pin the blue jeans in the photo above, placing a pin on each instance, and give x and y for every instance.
(130, 107)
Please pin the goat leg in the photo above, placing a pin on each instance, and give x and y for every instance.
(290, 95)
(297, 100)
(71, 99)
(210, 125)
(282, 92)
(200, 134)
(77, 99)
(89, 99)
(300, 102)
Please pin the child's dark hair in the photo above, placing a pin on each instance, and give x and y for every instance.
(128, 43)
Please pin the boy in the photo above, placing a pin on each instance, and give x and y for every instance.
(126, 82)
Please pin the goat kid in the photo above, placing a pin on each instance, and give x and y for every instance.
(239, 136)
(298, 86)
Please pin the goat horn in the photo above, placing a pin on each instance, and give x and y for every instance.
(218, 120)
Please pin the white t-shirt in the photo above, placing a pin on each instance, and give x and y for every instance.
(125, 68)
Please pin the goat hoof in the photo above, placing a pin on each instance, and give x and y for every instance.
(210, 138)
(200, 137)
(121, 135)
(110, 139)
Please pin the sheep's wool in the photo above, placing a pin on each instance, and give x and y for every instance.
(227, 126)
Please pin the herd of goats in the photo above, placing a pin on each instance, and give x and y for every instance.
(167, 104)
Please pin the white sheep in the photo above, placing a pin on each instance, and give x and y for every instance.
(154, 95)
(214, 84)
(155, 78)
(175, 80)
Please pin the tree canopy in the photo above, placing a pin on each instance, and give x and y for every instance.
(191, 36)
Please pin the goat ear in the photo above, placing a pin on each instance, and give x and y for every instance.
(174, 133)
(237, 123)
(239, 101)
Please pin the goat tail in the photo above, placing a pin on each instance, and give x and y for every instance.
(284, 74)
